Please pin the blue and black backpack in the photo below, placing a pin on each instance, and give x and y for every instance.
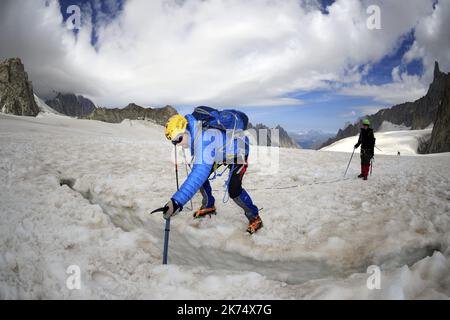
(228, 119)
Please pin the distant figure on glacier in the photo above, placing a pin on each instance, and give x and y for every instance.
(367, 142)
(398, 153)
(221, 135)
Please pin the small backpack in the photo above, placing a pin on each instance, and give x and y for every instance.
(223, 120)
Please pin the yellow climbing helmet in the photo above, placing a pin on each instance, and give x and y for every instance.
(175, 127)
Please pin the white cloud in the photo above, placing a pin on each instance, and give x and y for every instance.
(209, 52)
(433, 40)
(368, 110)
(404, 88)
(350, 114)
(432, 44)
(360, 111)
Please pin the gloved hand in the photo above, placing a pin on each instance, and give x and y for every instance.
(171, 208)
(356, 146)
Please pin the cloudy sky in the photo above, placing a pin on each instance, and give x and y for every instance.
(306, 64)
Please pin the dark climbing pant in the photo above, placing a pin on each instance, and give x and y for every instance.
(366, 157)
(235, 191)
(234, 186)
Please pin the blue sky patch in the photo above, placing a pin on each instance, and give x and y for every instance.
(381, 72)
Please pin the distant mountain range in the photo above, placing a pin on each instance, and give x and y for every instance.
(161, 115)
(433, 108)
(133, 112)
(311, 139)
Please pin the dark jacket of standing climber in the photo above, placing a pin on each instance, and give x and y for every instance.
(367, 142)
(215, 139)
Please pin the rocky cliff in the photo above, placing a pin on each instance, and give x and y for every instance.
(16, 92)
(416, 115)
(133, 112)
(71, 105)
(440, 137)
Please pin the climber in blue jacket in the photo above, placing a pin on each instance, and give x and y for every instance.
(212, 148)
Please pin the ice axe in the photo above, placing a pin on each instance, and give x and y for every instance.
(164, 210)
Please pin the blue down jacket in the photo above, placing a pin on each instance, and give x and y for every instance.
(208, 146)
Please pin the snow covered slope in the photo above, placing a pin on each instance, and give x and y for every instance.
(78, 192)
(44, 107)
(387, 126)
(388, 143)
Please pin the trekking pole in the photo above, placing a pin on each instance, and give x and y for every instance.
(349, 162)
(379, 149)
(371, 165)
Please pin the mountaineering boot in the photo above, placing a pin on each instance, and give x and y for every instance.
(207, 208)
(203, 212)
(255, 225)
(251, 211)
(362, 172)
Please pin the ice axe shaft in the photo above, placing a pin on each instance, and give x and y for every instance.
(166, 241)
(167, 228)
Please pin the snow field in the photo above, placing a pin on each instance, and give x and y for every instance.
(79, 192)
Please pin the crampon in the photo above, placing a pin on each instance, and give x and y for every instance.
(201, 213)
(255, 225)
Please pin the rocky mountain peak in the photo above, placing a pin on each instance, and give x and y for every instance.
(437, 71)
(71, 104)
(16, 92)
(133, 106)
